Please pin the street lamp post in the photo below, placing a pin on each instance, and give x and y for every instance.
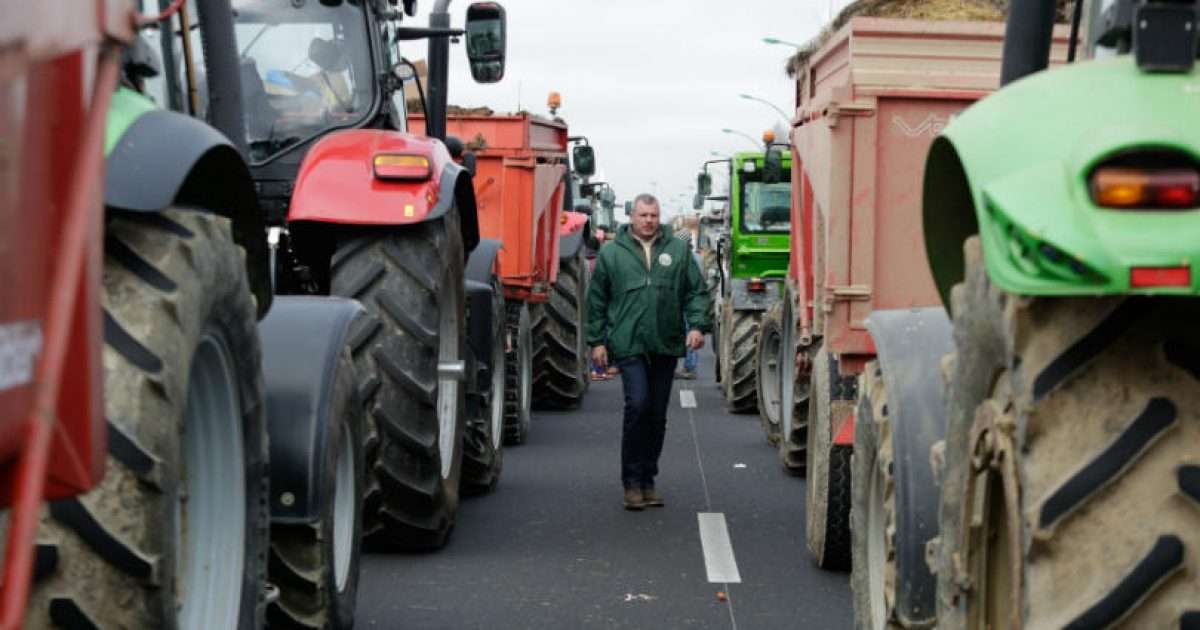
(775, 40)
(786, 121)
(744, 135)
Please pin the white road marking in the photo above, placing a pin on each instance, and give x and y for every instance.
(687, 399)
(718, 550)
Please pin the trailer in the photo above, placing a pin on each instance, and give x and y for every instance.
(521, 184)
(869, 103)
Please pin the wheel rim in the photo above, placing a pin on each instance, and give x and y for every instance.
(447, 395)
(343, 513)
(211, 512)
(877, 547)
(772, 383)
(990, 552)
(497, 393)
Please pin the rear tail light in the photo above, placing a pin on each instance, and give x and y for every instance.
(756, 285)
(1146, 277)
(402, 167)
(1157, 189)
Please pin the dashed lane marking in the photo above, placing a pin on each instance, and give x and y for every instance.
(718, 550)
(687, 399)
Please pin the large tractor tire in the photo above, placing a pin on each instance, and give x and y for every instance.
(740, 352)
(827, 496)
(793, 408)
(1070, 493)
(770, 374)
(315, 566)
(518, 370)
(873, 509)
(175, 536)
(561, 369)
(410, 280)
(483, 453)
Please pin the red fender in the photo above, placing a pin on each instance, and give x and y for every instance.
(337, 184)
(571, 223)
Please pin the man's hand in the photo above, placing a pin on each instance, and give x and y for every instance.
(695, 339)
(600, 357)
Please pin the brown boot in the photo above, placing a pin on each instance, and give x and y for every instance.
(633, 499)
(651, 497)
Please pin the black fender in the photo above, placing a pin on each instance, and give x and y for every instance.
(910, 345)
(569, 244)
(302, 337)
(168, 159)
(457, 179)
(746, 300)
(478, 284)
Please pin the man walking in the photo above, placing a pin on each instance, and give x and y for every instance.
(643, 287)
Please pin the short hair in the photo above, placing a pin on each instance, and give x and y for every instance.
(646, 199)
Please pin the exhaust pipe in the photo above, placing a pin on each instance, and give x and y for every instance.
(1027, 38)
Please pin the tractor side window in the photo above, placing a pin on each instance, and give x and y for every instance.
(766, 207)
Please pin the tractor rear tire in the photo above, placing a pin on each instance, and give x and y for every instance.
(315, 565)
(410, 280)
(518, 370)
(483, 453)
(793, 412)
(770, 375)
(741, 348)
(184, 497)
(561, 373)
(1073, 440)
(827, 495)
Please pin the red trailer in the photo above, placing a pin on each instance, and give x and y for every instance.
(869, 103)
(520, 187)
(861, 298)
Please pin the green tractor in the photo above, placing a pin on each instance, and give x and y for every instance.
(1061, 227)
(752, 258)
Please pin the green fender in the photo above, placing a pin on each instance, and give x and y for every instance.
(1014, 168)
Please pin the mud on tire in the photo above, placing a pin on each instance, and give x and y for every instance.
(1074, 436)
(179, 330)
(827, 496)
(411, 281)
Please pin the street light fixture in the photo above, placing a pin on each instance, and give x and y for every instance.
(774, 40)
(787, 121)
(744, 135)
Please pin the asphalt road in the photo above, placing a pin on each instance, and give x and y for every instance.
(552, 547)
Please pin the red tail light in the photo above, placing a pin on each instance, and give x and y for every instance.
(756, 285)
(1146, 277)
(1162, 189)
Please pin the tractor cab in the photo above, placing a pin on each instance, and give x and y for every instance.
(305, 68)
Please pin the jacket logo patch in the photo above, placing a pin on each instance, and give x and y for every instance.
(664, 259)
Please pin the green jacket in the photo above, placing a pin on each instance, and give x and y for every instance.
(633, 310)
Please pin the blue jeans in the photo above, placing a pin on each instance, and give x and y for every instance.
(647, 383)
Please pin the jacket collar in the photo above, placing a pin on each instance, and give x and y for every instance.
(626, 237)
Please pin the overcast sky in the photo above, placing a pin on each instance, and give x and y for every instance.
(651, 83)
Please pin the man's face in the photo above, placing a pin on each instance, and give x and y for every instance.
(644, 220)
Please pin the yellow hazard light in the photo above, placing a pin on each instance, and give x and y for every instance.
(402, 166)
(768, 136)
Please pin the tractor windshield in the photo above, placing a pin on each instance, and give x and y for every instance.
(305, 68)
(766, 207)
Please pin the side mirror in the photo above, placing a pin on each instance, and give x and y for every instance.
(486, 41)
(584, 160)
(772, 166)
(697, 201)
(704, 184)
(628, 208)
